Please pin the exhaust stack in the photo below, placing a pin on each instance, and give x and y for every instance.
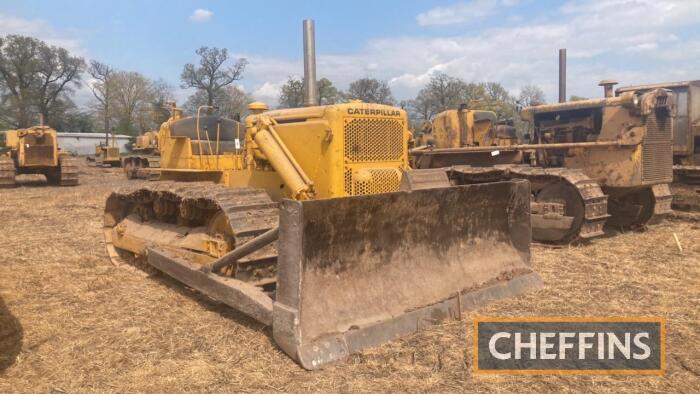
(607, 85)
(310, 90)
(562, 75)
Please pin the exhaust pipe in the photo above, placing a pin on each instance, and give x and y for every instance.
(310, 91)
(562, 75)
(607, 85)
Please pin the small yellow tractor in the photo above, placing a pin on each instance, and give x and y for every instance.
(145, 162)
(106, 153)
(35, 151)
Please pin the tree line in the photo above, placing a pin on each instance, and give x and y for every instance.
(442, 92)
(39, 80)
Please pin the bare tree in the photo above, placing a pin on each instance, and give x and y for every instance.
(162, 94)
(102, 89)
(370, 90)
(57, 72)
(212, 74)
(531, 95)
(132, 94)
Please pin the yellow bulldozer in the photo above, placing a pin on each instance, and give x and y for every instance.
(590, 163)
(35, 150)
(106, 153)
(144, 163)
(686, 140)
(306, 219)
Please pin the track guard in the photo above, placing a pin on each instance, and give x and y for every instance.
(356, 272)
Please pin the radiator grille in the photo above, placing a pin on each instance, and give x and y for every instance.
(39, 155)
(382, 180)
(373, 140)
(657, 151)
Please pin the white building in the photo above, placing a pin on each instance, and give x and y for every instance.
(84, 143)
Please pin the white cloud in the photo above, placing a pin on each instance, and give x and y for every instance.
(633, 41)
(201, 15)
(268, 92)
(39, 28)
(462, 12)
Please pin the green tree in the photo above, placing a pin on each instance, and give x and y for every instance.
(102, 89)
(327, 93)
(34, 78)
(292, 94)
(370, 90)
(231, 100)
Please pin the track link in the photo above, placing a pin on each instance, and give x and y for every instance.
(68, 167)
(248, 212)
(687, 174)
(594, 200)
(141, 167)
(7, 172)
(591, 199)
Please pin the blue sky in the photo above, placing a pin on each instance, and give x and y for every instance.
(514, 42)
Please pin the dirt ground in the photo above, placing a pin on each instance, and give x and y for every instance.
(72, 322)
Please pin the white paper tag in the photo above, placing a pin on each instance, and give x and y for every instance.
(238, 143)
(495, 153)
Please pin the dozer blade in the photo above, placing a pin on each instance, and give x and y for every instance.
(356, 272)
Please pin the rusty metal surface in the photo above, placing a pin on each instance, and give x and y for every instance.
(242, 296)
(652, 86)
(520, 147)
(354, 272)
(243, 214)
(687, 174)
(141, 167)
(584, 205)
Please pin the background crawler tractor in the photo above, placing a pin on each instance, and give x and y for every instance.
(144, 163)
(686, 140)
(35, 151)
(590, 163)
(297, 219)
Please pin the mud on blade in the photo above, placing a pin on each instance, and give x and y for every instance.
(358, 271)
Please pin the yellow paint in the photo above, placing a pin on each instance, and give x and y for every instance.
(312, 152)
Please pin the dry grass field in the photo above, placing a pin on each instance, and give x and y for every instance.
(72, 322)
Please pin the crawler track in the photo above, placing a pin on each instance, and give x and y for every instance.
(686, 197)
(68, 167)
(593, 202)
(247, 212)
(581, 196)
(687, 174)
(7, 172)
(141, 167)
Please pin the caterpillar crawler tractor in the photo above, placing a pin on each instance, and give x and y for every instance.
(145, 162)
(106, 153)
(297, 219)
(591, 163)
(35, 151)
(686, 140)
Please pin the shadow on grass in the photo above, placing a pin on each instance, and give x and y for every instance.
(10, 337)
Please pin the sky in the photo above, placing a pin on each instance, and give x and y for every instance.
(514, 42)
